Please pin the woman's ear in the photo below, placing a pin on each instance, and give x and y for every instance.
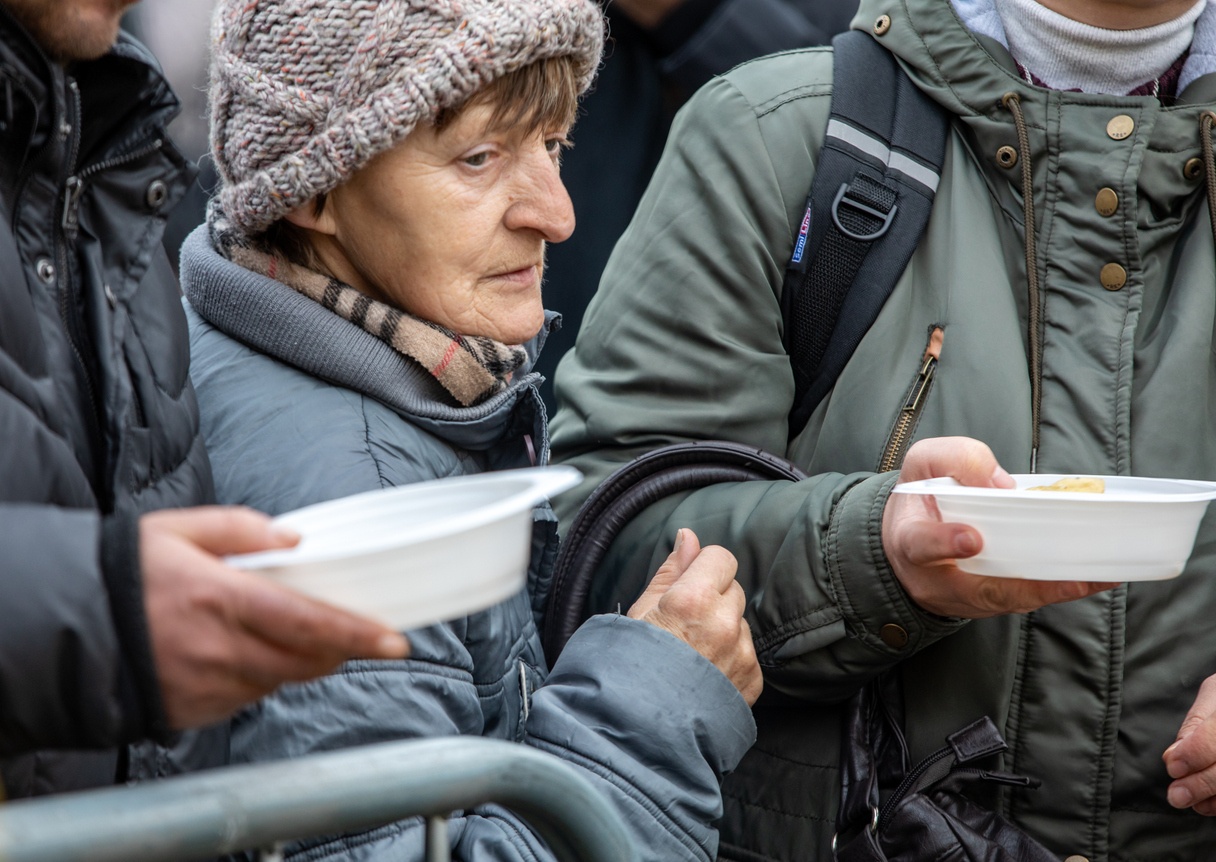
(314, 215)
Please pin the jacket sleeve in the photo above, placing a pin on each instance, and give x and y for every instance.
(653, 724)
(64, 681)
(731, 32)
(683, 342)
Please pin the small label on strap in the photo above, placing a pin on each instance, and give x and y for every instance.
(800, 245)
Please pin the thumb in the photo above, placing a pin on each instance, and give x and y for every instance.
(686, 550)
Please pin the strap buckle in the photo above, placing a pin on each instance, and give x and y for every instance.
(843, 197)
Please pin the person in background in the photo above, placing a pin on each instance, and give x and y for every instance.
(659, 53)
(365, 309)
(1070, 328)
(120, 620)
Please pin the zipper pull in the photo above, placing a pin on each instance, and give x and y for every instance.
(1009, 778)
(922, 385)
(71, 203)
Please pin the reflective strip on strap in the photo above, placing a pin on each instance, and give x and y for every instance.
(875, 147)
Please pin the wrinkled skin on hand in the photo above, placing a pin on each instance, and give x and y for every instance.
(922, 549)
(221, 637)
(1191, 760)
(695, 596)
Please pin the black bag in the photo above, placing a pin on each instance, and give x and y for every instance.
(890, 812)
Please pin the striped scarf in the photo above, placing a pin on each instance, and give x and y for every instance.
(470, 368)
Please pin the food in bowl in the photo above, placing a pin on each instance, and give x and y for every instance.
(1077, 484)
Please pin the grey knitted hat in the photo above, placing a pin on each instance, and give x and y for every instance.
(306, 92)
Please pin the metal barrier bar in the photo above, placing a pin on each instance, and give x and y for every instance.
(242, 807)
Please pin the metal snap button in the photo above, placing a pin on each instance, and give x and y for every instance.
(1006, 157)
(157, 193)
(1193, 169)
(110, 298)
(1120, 127)
(893, 636)
(45, 270)
(882, 25)
(1113, 276)
(1075, 858)
(1106, 202)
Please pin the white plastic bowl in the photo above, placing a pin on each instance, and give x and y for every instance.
(1140, 529)
(418, 554)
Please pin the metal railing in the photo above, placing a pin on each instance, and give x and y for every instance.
(259, 806)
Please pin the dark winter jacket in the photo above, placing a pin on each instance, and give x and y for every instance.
(300, 406)
(98, 422)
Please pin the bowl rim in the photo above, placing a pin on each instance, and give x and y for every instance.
(541, 483)
(945, 486)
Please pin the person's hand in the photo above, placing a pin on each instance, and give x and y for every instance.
(221, 637)
(922, 549)
(646, 13)
(1191, 760)
(695, 596)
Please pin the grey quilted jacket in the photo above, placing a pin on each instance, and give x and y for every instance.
(300, 406)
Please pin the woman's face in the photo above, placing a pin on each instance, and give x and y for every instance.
(451, 225)
(1120, 14)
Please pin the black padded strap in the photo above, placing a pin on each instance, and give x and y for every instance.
(869, 203)
(631, 489)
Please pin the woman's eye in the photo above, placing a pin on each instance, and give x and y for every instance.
(477, 160)
(555, 146)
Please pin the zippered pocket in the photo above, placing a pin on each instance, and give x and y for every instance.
(914, 402)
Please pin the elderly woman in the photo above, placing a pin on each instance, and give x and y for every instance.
(365, 306)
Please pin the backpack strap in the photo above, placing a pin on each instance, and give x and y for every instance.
(868, 205)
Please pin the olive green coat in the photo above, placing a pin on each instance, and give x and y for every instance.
(684, 342)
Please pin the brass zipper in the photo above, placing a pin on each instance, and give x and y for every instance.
(909, 413)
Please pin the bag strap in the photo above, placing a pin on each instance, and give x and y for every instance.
(632, 488)
(877, 173)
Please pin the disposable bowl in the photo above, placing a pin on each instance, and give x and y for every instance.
(417, 554)
(1140, 529)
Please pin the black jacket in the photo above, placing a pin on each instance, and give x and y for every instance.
(98, 422)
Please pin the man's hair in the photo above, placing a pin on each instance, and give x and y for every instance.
(541, 95)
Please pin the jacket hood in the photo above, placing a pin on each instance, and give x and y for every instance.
(280, 322)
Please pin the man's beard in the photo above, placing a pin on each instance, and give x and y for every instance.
(70, 31)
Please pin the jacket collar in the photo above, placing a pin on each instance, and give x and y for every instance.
(123, 94)
(980, 16)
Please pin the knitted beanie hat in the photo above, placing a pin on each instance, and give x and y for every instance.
(306, 92)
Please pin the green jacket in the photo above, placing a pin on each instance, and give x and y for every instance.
(683, 342)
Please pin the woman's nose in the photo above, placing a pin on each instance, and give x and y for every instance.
(543, 204)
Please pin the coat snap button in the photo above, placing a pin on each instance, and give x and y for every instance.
(1075, 858)
(45, 270)
(1193, 169)
(882, 25)
(1107, 202)
(893, 636)
(1006, 157)
(1113, 276)
(1120, 127)
(157, 194)
(110, 297)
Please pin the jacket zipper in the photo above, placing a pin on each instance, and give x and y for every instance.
(71, 320)
(75, 184)
(910, 780)
(909, 413)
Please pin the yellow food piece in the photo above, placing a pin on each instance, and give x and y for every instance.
(1076, 484)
